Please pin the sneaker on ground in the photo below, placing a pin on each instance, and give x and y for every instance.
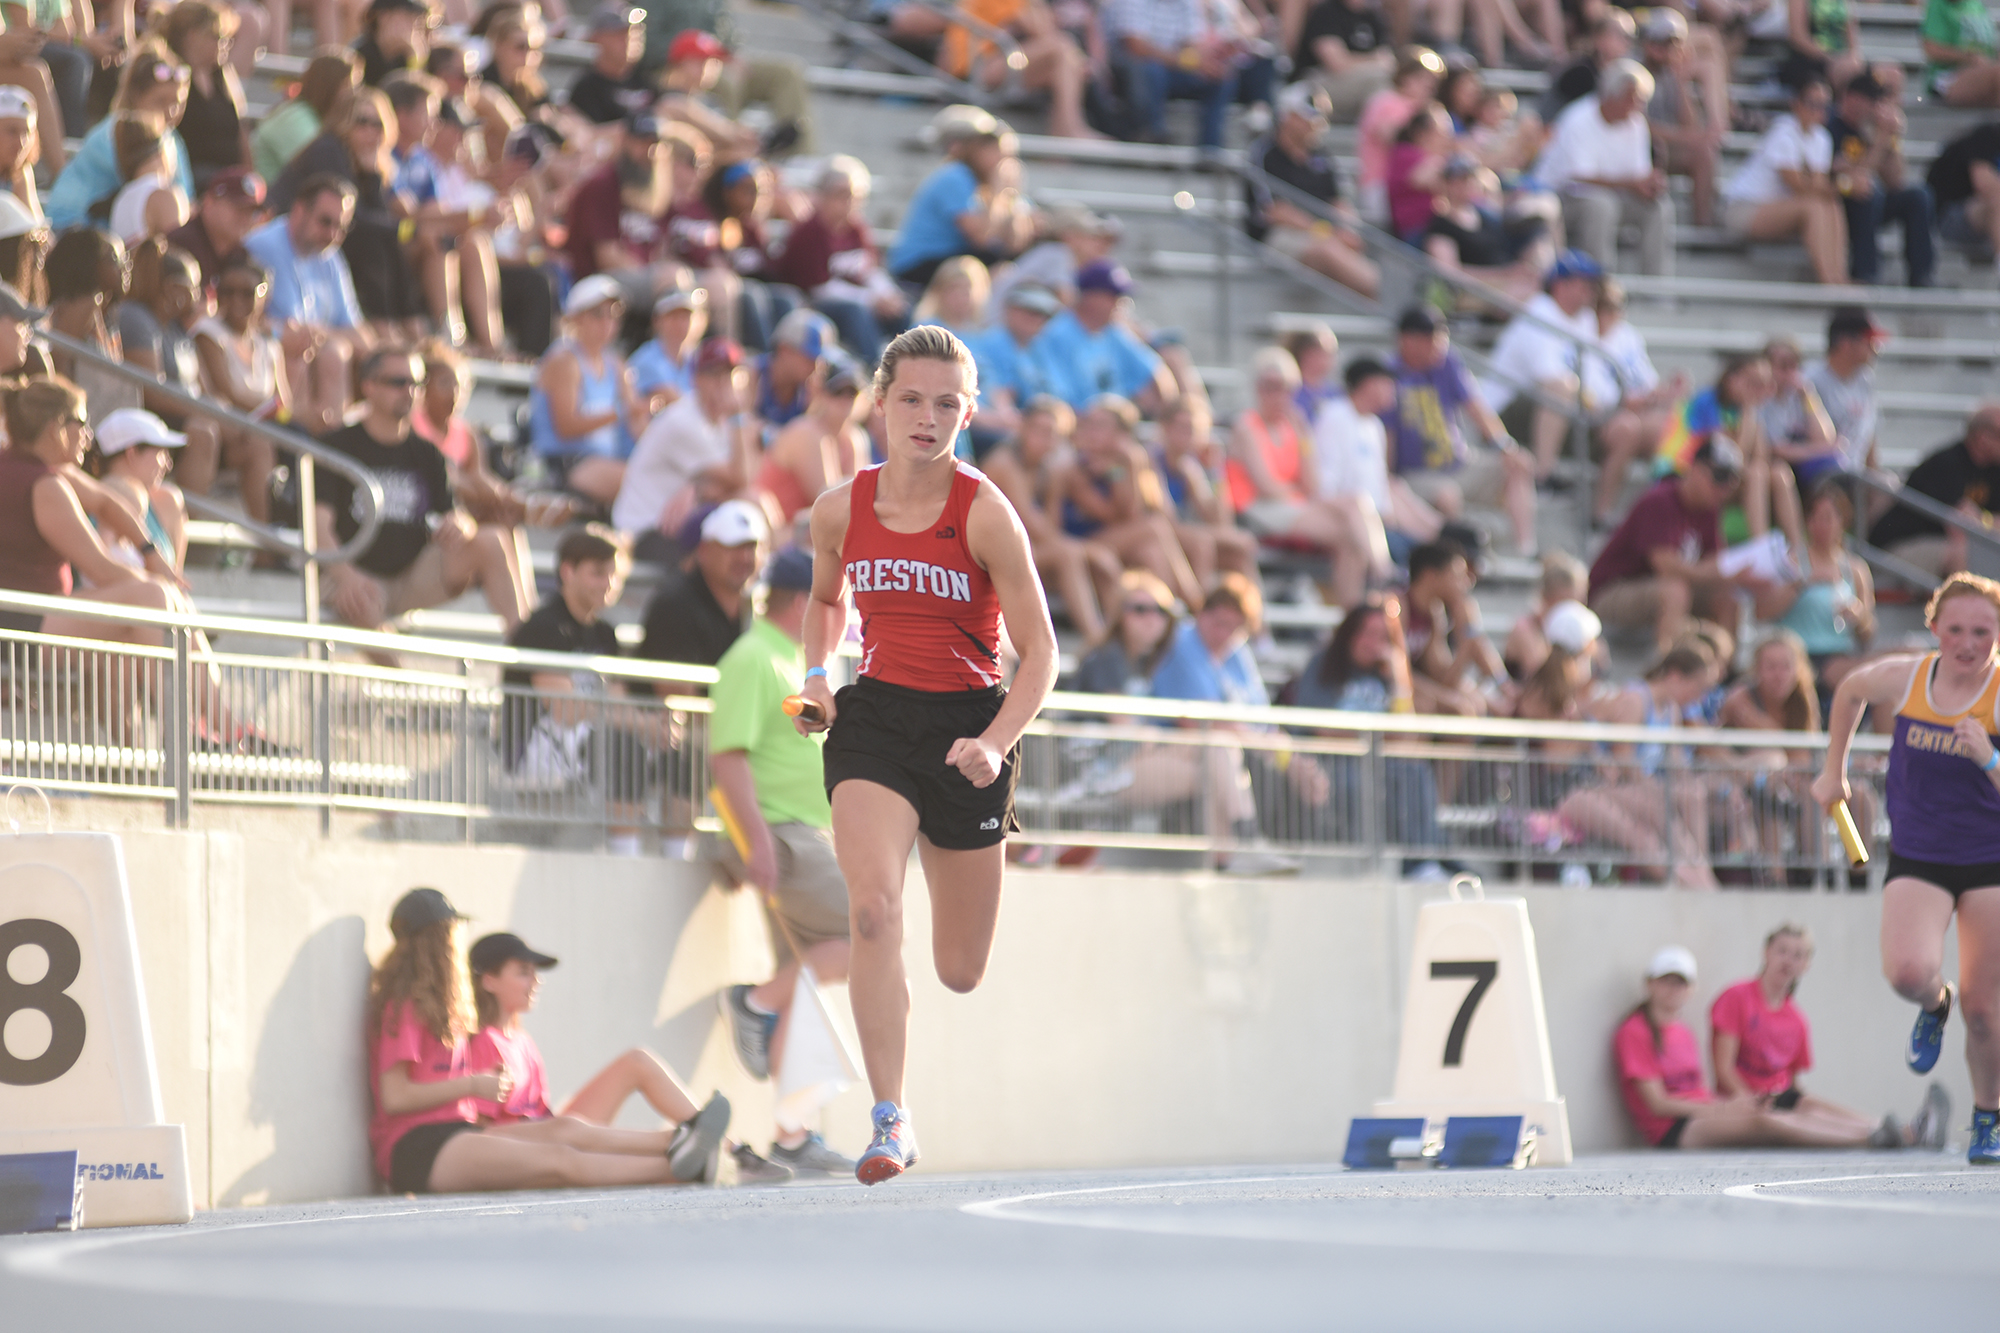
(1256, 862)
(1985, 1149)
(1932, 1123)
(752, 1030)
(1927, 1037)
(752, 1169)
(812, 1157)
(696, 1147)
(892, 1151)
(1888, 1134)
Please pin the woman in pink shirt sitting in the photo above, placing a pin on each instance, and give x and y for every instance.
(1659, 1075)
(425, 1135)
(506, 975)
(1761, 1044)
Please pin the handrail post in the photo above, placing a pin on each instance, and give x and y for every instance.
(1667, 823)
(1373, 807)
(1224, 281)
(309, 535)
(177, 728)
(464, 746)
(322, 653)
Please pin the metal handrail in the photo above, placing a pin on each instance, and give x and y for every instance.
(367, 489)
(861, 35)
(980, 30)
(1988, 540)
(624, 668)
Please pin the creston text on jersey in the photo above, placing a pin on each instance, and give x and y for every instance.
(910, 576)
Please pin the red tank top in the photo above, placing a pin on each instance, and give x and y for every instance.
(27, 562)
(930, 619)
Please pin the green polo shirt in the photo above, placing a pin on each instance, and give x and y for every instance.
(758, 671)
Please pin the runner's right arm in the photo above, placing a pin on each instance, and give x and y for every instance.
(826, 616)
(1879, 683)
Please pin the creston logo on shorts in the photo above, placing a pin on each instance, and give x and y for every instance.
(910, 576)
(988, 825)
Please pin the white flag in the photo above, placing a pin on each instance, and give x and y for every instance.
(817, 1064)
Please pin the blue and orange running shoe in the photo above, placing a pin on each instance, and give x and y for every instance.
(1927, 1037)
(1985, 1149)
(893, 1150)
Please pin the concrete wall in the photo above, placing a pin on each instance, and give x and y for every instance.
(1125, 1019)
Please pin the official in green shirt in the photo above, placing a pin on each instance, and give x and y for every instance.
(773, 782)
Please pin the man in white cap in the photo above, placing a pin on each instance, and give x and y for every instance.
(135, 445)
(696, 617)
(20, 148)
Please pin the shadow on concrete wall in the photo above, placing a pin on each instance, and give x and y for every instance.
(309, 1077)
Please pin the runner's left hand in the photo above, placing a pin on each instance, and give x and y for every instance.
(1973, 742)
(978, 760)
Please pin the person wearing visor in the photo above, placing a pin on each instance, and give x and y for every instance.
(133, 454)
(425, 1134)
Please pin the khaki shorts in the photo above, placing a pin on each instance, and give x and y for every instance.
(1737, 215)
(1629, 603)
(1926, 553)
(1291, 242)
(1272, 518)
(811, 895)
(1481, 482)
(419, 587)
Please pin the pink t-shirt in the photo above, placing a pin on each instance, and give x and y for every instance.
(1384, 116)
(1410, 206)
(456, 441)
(1775, 1045)
(1675, 1062)
(405, 1040)
(514, 1048)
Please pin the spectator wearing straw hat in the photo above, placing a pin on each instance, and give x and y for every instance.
(771, 781)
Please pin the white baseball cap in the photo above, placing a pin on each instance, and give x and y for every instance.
(129, 427)
(1672, 961)
(1571, 626)
(15, 219)
(591, 293)
(735, 523)
(15, 104)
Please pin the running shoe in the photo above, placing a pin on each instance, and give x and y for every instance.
(1888, 1134)
(1927, 1037)
(893, 1149)
(1932, 1123)
(1985, 1149)
(812, 1157)
(752, 1169)
(753, 1030)
(695, 1151)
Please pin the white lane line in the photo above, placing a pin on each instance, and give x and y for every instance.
(1862, 1205)
(993, 1208)
(47, 1257)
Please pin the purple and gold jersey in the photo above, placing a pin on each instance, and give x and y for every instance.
(1942, 808)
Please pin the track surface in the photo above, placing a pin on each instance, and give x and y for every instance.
(1668, 1242)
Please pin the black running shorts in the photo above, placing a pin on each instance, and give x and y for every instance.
(1953, 879)
(899, 737)
(413, 1156)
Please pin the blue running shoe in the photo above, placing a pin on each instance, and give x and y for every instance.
(1927, 1037)
(1985, 1149)
(893, 1150)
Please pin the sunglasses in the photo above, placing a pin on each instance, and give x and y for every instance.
(400, 383)
(1144, 609)
(369, 124)
(248, 293)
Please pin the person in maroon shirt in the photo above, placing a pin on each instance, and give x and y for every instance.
(1660, 564)
(618, 217)
(831, 257)
(231, 206)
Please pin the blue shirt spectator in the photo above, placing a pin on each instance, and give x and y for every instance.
(930, 230)
(1191, 671)
(654, 369)
(1009, 353)
(1083, 364)
(417, 174)
(92, 175)
(314, 289)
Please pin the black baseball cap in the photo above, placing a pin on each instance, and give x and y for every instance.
(490, 953)
(1853, 321)
(1719, 454)
(1421, 319)
(1365, 368)
(1866, 85)
(790, 569)
(419, 908)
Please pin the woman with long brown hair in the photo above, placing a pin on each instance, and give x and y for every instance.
(201, 33)
(154, 82)
(286, 131)
(425, 1134)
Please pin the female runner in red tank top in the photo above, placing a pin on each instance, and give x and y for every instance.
(922, 746)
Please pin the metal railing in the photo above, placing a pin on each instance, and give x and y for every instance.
(1982, 542)
(310, 454)
(505, 745)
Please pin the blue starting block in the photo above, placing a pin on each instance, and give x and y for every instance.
(1482, 1140)
(38, 1192)
(1369, 1142)
(1469, 1141)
